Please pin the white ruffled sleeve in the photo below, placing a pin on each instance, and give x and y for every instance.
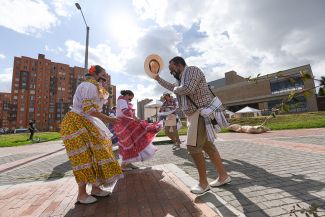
(89, 94)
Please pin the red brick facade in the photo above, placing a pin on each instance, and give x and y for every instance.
(4, 109)
(38, 88)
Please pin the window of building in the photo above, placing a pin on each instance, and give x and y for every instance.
(23, 96)
(21, 115)
(40, 62)
(45, 102)
(32, 91)
(17, 73)
(40, 85)
(15, 91)
(31, 109)
(22, 109)
(58, 115)
(34, 63)
(51, 99)
(47, 75)
(32, 97)
(59, 94)
(63, 88)
(17, 67)
(16, 79)
(60, 67)
(39, 96)
(39, 91)
(64, 68)
(51, 121)
(18, 62)
(31, 103)
(32, 86)
(15, 97)
(33, 74)
(47, 64)
(30, 115)
(33, 80)
(21, 121)
(51, 110)
(16, 85)
(22, 102)
(53, 72)
(60, 73)
(34, 69)
(25, 67)
(63, 73)
(59, 88)
(23, 90)
(53, 67)
(39, 79)
(280, 85)
(46, 85)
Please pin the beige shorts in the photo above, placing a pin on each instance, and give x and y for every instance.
(202, 142)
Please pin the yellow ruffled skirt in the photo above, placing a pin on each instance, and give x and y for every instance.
(91, 155)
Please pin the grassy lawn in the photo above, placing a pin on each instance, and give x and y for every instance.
(17, 139)
(282, 122)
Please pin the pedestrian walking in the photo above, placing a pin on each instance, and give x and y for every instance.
(135, 136)
(31, 127)
(88, 141)
(202, 113)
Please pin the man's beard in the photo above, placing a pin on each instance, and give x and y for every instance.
(176, 76)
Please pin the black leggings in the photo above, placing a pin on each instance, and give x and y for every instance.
(31, 134)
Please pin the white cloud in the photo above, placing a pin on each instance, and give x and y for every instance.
(26, 16)
(63, 7)
(264, 36)
(156, 40)
(101, 55)
(6, 80)
(2, 56)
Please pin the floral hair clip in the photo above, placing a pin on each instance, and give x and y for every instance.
(92, 70)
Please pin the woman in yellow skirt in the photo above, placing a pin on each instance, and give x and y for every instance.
(88, 141)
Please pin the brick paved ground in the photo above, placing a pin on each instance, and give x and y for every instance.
(270, 171)
(155, 192)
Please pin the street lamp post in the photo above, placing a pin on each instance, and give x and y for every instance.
(87, 40)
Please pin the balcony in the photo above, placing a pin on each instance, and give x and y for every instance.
(53, 90)
(53, 79)
(11, 118)
(12, 112)
(54, 85)
(12, 106)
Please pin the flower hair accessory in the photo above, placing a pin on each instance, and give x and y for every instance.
(92, 70)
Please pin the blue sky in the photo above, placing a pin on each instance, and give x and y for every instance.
(249, 37)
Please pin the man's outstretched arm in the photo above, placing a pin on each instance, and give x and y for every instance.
(164, 83)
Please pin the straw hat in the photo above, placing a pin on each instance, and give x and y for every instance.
(153, 65)
(167, 93)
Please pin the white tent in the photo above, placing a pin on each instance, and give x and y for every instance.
(248, 112)
(230, 113)
(151, 109)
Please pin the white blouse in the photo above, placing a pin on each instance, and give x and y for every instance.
(88, 91)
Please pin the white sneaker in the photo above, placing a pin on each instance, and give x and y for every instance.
(177, 149)
(89, 200)
(101, 194)
(174, 146)
(199, 190)
(216, 183)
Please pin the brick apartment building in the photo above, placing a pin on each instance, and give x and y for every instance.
(236, 93)
(4, 109)
(39, 86)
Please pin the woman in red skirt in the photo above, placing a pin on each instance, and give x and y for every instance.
(135, 136)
